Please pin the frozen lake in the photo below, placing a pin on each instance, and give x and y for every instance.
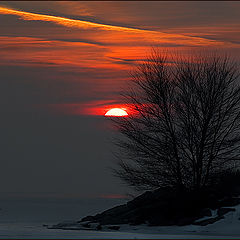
(24, 218)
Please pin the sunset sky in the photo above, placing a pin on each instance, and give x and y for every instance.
(64, 64)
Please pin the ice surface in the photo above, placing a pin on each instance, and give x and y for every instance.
(17, 222)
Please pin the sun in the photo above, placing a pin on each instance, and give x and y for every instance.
(116, 112)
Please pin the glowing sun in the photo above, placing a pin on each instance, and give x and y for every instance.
(116, 112)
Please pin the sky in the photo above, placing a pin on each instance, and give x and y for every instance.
(63, 64)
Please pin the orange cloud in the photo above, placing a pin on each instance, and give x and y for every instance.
(76, 8)
(66, 21)
(100, 55)
(26, 50)
(141, 34)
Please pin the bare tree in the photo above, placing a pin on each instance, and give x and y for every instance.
(183, 125)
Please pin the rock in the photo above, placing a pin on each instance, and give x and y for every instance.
(208, 221)
(161, 207)
(114, 227)
(99, 227)
(87, 218)
(64, 224)
(164, 207)
(160, 220)
(138, 201)
(86, 225)
(94, 225)
(230, 202)
(137, 220)
(205, 212)
(115, 210)
(222, 211)
(157, 196)
(115, 215)
(185, 221)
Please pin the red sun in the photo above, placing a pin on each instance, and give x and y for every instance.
(116, 112)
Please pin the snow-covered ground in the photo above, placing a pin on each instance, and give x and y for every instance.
(14, 224)
(141, 232)
(229, 227)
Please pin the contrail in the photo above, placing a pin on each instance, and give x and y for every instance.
(153, 35)
(67, 21)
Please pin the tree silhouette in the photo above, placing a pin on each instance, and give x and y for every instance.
(183, 126)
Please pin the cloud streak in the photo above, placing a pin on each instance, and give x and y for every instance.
(66, 21)
(74, 23)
